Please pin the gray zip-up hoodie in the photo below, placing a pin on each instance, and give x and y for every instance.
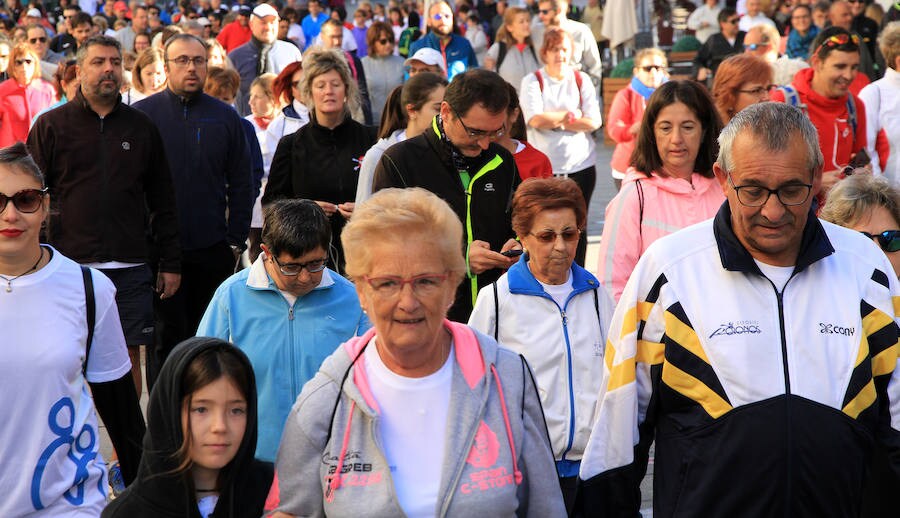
(497, 454)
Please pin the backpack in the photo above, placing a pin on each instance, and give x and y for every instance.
(793, 98)
(578, 81)
(501, 55)
(409, 35)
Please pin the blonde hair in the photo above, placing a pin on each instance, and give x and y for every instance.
(393, 215)
(853, 198)
(321, 61)
(648, 52)
(889, 43)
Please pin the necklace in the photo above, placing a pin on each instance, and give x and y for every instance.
(33, 268)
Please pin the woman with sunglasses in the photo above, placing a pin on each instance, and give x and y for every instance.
(871, 205)
(420, 416)
(23, 95)
(561, 110)
(383, 69)
(627, 109)
(555, 314)
(61, 334)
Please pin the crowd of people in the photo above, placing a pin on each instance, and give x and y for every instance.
(352, 248)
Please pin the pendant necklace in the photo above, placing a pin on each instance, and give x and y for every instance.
(33, 268)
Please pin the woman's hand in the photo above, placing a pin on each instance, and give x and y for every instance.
(328, 207)
(346, 209)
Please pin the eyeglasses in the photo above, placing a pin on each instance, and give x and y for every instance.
(757, 196)
(839, 39)
(26, 201)
(733, 21)
(385, 41)
(889, 240)
(759, 90)
(756, 46)
(42, 39)
(476, 133)
(422, 285)
(442, 16)
(182, 61)
(294, 269)
(568, 235)
(26, 61)
(652, 68)
(545, 11)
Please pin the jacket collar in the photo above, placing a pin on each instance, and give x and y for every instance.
(79, 97)
(523, 282)
(258, 278)
(814, 244)
(175, 98)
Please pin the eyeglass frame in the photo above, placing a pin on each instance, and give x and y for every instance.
(836, 41)
(478, 134)
(409, 280)
(776, 192)
(5, 199)
(300, 266)
(556, 235)
(185, 61)
(883, 240)
(757, 92)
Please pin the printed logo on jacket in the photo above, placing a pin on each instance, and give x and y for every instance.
(355, 471)
(483, 455)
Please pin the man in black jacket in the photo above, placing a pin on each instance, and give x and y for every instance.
(729, 40)
(106, 167)
(458, 160)
(209, 157)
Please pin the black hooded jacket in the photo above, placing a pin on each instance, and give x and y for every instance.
(246, 480)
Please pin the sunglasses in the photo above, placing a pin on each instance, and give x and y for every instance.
(653, 68)
(26, 61)
(733, 21)
(42, 39)
(545, 11)
(26, 201)
(755, 46)
(384, 41)
(568, 235)
(889, 240)
(838, 40)
(442, 16)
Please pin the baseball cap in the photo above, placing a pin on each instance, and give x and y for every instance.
(428, 56)
(263, 10)
(35, 13)
(204, 21)
(242, 10)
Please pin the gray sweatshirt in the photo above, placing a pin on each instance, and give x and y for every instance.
(484, 473)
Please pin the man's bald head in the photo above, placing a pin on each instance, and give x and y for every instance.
(839, 15)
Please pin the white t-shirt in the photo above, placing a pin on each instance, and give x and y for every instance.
(49, 443)
(559, 292)
(779, 275)
(413, 429)
(568, 151)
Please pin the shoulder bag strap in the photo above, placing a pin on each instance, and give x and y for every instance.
(90, 314)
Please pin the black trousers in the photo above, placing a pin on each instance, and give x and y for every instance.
(177, 318)
(586, 180)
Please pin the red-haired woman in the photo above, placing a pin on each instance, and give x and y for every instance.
(741, 80)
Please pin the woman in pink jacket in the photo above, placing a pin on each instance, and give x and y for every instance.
(22, 96)
(670, 184)
(627, 109)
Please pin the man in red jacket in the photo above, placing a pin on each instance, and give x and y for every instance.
(237, 32)
(823, 93)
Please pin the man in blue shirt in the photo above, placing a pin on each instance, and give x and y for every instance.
(456, 50)
(312, 22)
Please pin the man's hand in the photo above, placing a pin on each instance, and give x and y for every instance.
(346, 209)
(482, 258)
(328, 207)
(167, 284)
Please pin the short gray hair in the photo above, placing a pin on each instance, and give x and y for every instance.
(774, 125)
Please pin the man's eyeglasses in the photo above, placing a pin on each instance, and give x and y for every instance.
(733, 21)
(294, 269)
(391, 286)
(653, 68)
(545, 11)
(442, 16)
(26, 201)
(568, 235)
(889, 240)
(42, 39)
(476, 133)
(757, 196)
(183, 61)
(839, 40)
(759, 90)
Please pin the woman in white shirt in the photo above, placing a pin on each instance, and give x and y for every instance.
(882, 100)
(148, 76)
(561, 110)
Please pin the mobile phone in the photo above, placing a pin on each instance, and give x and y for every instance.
(861, 159)
(513, 252)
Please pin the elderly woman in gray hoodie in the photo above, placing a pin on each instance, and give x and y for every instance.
(420, 416)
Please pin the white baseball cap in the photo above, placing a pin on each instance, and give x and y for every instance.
(34, 13)
(263, 10)
(428, 56)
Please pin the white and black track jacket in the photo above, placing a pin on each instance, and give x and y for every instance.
(761, 403)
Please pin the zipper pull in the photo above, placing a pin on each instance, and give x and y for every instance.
(564, 318)
(291, 313)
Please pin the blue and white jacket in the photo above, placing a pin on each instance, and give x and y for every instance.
(285, 343)
(564, 346)
(458, 54)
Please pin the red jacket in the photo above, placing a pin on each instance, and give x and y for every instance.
(627, 108)
(831, 119)
(233, 36)
(19, 105)
(531, 163)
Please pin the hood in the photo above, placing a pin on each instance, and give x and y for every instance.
(173, 493)
(803, 83)
(699, 183)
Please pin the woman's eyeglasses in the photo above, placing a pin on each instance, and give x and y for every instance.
(385, 41)
(889, 240)
(568, 235)
(26, 201)
(759, 90)
(653, 68)
(391, 286)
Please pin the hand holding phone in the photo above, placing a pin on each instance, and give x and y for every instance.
(513, 252)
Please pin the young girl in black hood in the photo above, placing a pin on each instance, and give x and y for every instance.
(201, 434)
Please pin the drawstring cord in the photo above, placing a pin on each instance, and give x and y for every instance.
(509, 435)
(335, 480)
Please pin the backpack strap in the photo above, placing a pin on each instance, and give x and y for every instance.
(349, 58)
(792, 97)
(578, 83)
(540, 80)
(640, 191)
(501, 54)
(496, 312)
(90, 314)
(851, 112)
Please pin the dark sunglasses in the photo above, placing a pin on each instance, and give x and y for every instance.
(733, 21)
(384, 41)
(25, 201)
(545, 11)
(889, 240)
(42, 39)
(839, 40)
(652, 68)
(568, 236)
